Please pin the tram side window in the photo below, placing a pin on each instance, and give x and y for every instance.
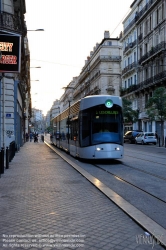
(74, 130)
(84, 129)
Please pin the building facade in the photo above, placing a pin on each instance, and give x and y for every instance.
(15, 101)
(144, 57)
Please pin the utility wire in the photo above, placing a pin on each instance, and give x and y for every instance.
(121, 21)
(56, 63)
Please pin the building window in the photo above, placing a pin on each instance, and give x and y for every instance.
(150, 23)
(125, 85)
(146, 98)
(146, 74)
(109, 43)
(128, 60)
(135, 79)
(140, 52)
(157, 17)
(128, 82)
(131, 80)
(134, 104)
(163, 11)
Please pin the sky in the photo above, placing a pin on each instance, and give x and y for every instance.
(71, 30)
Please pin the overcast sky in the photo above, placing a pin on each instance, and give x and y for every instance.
(72, 29)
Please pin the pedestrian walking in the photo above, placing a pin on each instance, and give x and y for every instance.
(27, 137)
(36, 137)
(31, 136)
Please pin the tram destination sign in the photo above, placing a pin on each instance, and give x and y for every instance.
(10, 52)
(107, 112)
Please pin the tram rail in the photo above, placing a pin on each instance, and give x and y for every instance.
(138, 216)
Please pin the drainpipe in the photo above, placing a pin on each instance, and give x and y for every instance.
(4, 127)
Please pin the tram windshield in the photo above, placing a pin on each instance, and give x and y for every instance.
(100, 124)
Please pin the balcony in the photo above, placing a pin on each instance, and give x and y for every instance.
(10, 22)
(145, 9)
(129, 26)
(129, 67)
(146, 83)
(110, 58)
(139, 15)
(153, 52)
(129, 46)
(140, 37)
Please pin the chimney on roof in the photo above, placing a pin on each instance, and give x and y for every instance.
(91, 53)
(106, 34)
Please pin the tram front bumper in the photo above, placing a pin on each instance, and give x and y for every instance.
(106, 151)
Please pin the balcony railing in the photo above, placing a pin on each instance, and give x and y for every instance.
(139, 15)
(112, 58)
(146, 83)
(140, 37)
(130, 25)
(145, 8)
(154, 50)
(10, 22)
(129, 67)
(129, 46)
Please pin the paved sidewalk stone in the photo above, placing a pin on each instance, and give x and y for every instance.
(46, 204)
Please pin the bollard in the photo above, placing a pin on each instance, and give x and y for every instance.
(159, 141)
(7, 157)
(2, 161)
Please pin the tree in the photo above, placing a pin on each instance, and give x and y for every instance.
(129, 114)
(156, 108)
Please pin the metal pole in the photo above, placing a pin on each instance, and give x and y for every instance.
(2, 160)
(159, 141)
(68, 122)
(7, 157)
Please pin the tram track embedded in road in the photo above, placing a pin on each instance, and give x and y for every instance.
(144, 171)
(125, 181)
(164, 164)
(146, 222)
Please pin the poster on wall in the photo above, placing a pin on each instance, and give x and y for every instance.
(10, 52)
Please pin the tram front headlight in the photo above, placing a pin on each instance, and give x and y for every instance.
(98, 149)
(117, 149)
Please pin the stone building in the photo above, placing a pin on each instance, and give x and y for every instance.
(15, 101)
(101, 73)
(144, 57)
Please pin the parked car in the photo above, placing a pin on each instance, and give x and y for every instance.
(130, 136)
(146, 137)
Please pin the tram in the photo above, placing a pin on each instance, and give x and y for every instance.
(91, 128)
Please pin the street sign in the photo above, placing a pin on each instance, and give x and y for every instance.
(8, 115)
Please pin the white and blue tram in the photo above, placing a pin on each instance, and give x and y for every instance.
(91, 128)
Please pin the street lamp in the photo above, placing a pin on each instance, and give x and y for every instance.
(36, 30)
(68, 87)
(38, 67)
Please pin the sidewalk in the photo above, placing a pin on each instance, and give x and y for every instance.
(46, 204)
